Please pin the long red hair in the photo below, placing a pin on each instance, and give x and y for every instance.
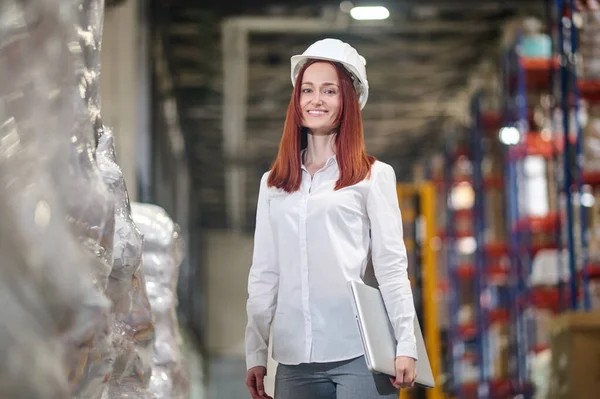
(353, 161)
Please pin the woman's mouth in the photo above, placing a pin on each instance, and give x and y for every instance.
(317, 112)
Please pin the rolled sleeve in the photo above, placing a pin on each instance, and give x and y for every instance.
(263, 285)
(390, 261)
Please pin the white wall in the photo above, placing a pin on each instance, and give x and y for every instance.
(228, 259)
(119, 84)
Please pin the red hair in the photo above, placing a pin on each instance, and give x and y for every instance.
(353, 161)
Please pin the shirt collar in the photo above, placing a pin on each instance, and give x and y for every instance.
(330, 161)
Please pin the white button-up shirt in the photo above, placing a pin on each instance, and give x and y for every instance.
(307, 245)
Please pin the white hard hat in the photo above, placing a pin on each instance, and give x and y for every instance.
(337, 51)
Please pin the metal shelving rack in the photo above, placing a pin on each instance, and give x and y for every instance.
(478, 272)
(573, 153)
(520, 75)
(486, 265)
(479, 265)
(456, 347)
(588, 89)
(518, 72)
(519, 229)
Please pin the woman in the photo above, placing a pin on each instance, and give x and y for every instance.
(324, 209)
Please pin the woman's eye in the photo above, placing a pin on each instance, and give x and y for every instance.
(330, 92)
(306, 91)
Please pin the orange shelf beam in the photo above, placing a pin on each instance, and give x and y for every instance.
(467, 271)
(537, 71)
(539, 224)
(591, 177)
(488, 182)
(590, 90)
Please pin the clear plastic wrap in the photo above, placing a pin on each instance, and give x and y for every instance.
(46, 124)
(39, 67)
(50, 312)
(43, 305)
(163, 254)
(133, 330)
(89, 18)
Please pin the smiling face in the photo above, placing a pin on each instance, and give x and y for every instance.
(320, 98)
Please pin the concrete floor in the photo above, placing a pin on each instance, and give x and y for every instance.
(220, 377)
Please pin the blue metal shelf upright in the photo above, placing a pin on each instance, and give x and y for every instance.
(480, 280)
(572, 177)
(519, 246)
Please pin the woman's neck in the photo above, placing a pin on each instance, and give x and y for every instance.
(319, 148)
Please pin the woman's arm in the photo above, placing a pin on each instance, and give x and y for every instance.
(389, 257)
(263, 284)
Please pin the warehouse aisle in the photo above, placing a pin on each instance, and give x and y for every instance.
(194, 363)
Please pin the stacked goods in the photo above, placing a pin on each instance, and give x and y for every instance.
(133, 329)
(590, 44)
(67, 239)
(591, 138)
(499, 351)
(53, 316)
(575, 352)
(540, 373)
(535, 43)
(494, 192)
(593, 220)
(47, 126)
(163, 254)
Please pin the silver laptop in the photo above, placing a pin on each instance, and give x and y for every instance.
(379, 342)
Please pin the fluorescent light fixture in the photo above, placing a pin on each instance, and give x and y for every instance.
(370, 13)
(510, 135)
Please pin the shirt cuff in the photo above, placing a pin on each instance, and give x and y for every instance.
(255, 360)
(408, 349)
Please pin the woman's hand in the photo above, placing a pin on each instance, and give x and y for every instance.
(255, 381)
(406, 372)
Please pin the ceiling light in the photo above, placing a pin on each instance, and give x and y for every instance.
(587, 200)
(466, 245)
(369, 13)
(510, 135)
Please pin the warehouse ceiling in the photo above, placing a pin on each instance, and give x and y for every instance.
(422, 64)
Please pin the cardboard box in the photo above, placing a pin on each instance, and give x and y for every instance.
(575, 370)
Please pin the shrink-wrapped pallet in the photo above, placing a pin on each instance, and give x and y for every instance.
(54, 319)
(50, 313)
(163, 254)
(133, 329)
(88, 20)
(47, 123)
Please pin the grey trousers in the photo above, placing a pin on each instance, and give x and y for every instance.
(348, 379)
